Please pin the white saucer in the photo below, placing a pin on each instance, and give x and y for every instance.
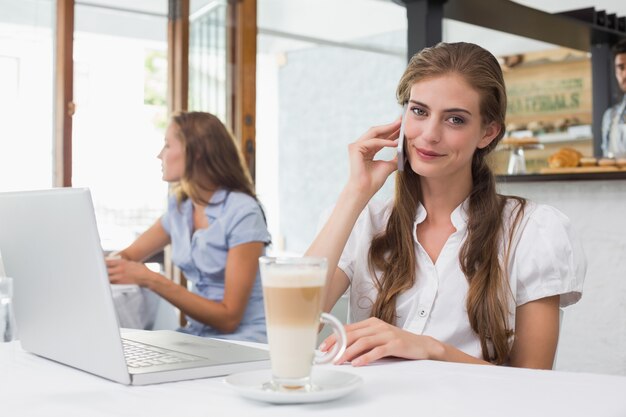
(330, 385)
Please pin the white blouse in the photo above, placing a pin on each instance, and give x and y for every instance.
(545, 260)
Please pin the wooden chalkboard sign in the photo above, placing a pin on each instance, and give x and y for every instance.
(547, 90)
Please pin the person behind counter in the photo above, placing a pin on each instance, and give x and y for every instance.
(447, 269)
(217, 230)
(614, 118)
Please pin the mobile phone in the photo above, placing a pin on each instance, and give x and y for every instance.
(401, 139)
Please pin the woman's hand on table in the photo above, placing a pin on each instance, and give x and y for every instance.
(373, 339)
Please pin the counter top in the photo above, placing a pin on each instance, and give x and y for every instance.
(583, 176)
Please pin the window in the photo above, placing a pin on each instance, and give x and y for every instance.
(26, 87)
(120, 86)
(207, 57)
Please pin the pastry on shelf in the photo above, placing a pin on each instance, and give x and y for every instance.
(607, 162)
(536, 127)
(564, 158)
(513, 141)
(512, 127)
(621, 162)
(588, 161)
(561, 125)
(548, 127)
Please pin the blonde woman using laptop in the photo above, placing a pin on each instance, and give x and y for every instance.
(217, 230)
(448, 269)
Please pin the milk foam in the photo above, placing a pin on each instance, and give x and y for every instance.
(292, 277)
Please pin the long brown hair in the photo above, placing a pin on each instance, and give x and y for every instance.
(212, 158)
(392, 252)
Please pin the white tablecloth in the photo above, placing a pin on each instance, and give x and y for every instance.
(33, 386)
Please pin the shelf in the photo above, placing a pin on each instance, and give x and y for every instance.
(573, 134)
(614, 175)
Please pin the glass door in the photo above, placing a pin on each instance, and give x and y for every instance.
(207, 57)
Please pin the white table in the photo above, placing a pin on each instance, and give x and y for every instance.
(33, 386)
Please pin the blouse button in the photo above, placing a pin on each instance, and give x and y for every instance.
(422, 313)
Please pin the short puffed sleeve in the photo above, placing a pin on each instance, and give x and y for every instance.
(246, 222)
(548, 259)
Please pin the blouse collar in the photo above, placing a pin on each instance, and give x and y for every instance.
(458, 217)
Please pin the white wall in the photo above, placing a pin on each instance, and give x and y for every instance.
(593, 336)
(311, 103)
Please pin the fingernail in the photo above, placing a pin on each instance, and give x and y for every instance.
(323, 346)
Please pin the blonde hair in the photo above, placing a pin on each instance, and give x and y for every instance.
(392, 252)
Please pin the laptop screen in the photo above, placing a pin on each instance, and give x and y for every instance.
(62, 297)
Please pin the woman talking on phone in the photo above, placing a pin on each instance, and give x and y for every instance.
(448, 269)
(217, 230)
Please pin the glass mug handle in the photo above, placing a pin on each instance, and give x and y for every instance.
(340, 344)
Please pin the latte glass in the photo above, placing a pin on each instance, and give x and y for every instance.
(293, 290)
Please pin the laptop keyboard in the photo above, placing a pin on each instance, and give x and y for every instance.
(139, 355)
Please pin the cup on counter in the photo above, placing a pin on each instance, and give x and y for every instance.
(293, 289)
(517, 161)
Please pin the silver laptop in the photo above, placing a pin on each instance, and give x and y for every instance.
(63, 305)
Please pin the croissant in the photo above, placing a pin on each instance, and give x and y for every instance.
(564, 157)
